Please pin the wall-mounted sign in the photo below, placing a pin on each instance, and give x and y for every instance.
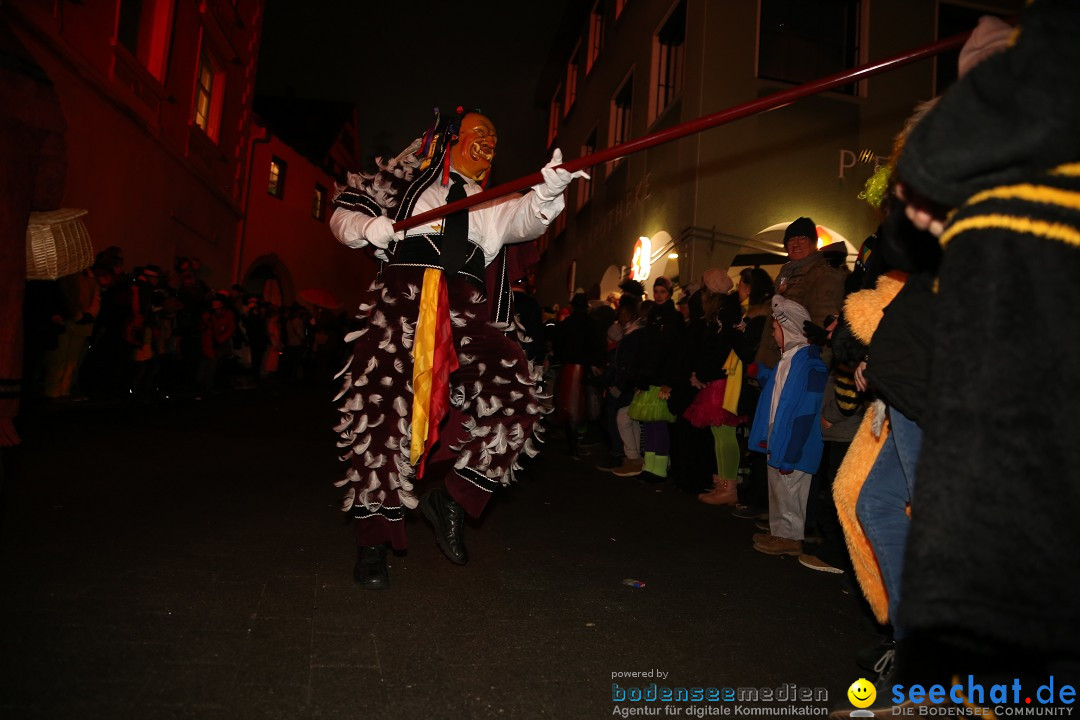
(850, 158)
(639, 265)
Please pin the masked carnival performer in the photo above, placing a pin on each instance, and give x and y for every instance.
(435, 386)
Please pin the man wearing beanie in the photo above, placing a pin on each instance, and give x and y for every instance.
(786, 428)
(806, 278)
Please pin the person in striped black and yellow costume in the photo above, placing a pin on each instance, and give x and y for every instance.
(994, 169)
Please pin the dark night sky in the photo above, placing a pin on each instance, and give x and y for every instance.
(482, 54)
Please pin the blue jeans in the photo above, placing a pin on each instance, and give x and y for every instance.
(881, 506)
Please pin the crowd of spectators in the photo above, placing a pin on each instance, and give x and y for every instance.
(889, 422)
(153, 334)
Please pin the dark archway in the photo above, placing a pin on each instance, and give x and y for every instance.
(268, 277)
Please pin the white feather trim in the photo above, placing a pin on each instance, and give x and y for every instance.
(347, 364)
(483, 409)
(344, 389)
(529, 449)
(351, 476)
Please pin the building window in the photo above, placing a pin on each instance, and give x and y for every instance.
(209, 93)
(144, 29)
(585, 187)
(554, 116)
(668, 60)
(276, 186)
(621, 105)
(596, 35)
(318, 201)
(572, 78)
(803, 40)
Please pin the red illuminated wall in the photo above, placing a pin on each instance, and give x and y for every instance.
(284, 229)
(154, 182)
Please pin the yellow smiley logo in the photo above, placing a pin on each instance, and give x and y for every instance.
(861, 693)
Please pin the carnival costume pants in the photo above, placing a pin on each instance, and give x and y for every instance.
(492, 416)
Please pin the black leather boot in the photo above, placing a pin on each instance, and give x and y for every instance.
(449, 521)
(370, 571)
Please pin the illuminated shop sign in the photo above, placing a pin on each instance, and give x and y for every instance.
(639, 265)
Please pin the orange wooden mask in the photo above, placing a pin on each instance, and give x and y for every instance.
(474, 150)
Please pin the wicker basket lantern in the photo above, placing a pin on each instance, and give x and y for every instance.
(57, 244)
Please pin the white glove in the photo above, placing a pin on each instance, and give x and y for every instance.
(380, 232)
(555, 179)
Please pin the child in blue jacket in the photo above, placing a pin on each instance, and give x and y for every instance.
(787, 428)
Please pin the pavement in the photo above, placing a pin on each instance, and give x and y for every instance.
(190, 560)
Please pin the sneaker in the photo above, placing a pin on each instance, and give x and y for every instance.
(750, 512)
(630, 468)
(611, 465)
(815, 563)
(779, 546)
(882, 706)
(762, 525)
(761, 537)
(869, 658)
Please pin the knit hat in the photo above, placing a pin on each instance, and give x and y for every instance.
(991, 35)
(791, 316)
(661, 280)
(716, 281)
(801, 227)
